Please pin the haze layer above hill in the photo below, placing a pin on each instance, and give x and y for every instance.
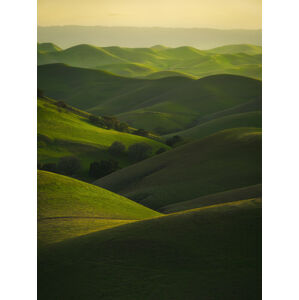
(203, 38)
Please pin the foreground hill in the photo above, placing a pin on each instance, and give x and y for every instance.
(167, 105)
(208, 253)
(68, 207)
(224, 161)
(159, 62)
(68, 132)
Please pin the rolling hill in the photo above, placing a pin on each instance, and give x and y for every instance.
(241, 48)
(249, 119)
(249, 192)
(68, 207)
(207, 253)
(68, 132)
(229, 159)
(172, 104)
(242, 60)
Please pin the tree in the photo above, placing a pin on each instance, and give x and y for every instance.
(61, 104)
(117, 148)
(105, 167)
(69, 165)
(160, 150)
(123, 127)
(173, 140)
(142, 132)
(111, 122)
(139, 151)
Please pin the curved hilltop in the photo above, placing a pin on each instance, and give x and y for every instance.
(227, 160)
(73, 208)
(207, 253)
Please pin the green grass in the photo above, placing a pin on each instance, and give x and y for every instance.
(64, 132)
(207, 253)
(241, 48)
(173, 103)
(68, 207)
(47, 47)
(249, 119)
(249, 192)
(227, 160)
(242, 60)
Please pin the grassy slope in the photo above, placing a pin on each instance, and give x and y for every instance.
(242, 60)
(241, 48)
(163, 74)
(173, 103)
(47, 47)
(209, 253)
(227, 160)
(253, 191)
(68, 207)
(63, 132)
(249, 119)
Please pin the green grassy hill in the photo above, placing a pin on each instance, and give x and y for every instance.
(249, 192)
(172, 103)
(163, 74)
(47, 47)
(68, 207)
(128, 70)
(67, 132)
(207, 253)
(242, 60)
(249, 119)
(241, 48)
(224, 161)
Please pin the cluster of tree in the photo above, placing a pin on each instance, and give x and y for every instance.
(141, 132)
(174, 140)
(68, 165)
(109, 122)
(102, 168)
(117, 148)
(139, 151)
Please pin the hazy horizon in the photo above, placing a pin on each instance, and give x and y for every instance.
(230, 14)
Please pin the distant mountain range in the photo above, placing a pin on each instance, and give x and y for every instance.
(203, 38)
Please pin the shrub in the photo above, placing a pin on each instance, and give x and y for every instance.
(69, 165)
(142, 132)
(173, 140)
(117, 148)
(105, 167)
(61, 104)
(123, 127)
(139, 151)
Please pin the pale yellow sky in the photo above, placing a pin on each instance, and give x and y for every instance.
(222, 14)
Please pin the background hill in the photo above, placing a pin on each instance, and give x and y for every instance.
(68, 207)
(203, 38)
(68, 132)
(207, 253)
(224, 161)
(243, 60)
(248, 119)
(165, 105)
